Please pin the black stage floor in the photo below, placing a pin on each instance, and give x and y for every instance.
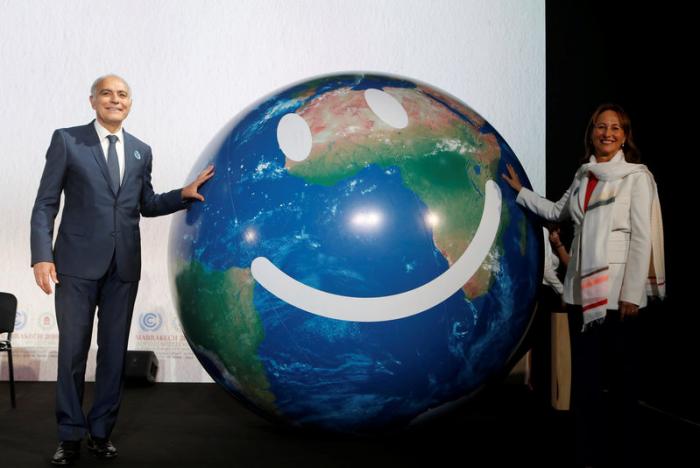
(193, 425)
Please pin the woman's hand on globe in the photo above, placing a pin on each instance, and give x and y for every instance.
(512, 178)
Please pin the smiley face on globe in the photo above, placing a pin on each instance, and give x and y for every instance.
(356, 264)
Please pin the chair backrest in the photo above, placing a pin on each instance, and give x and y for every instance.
(8, 311)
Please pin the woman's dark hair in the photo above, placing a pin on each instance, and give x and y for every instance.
(630, 149)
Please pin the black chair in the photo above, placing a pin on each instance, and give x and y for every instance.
(8, 311)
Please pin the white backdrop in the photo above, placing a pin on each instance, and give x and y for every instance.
(192, 66)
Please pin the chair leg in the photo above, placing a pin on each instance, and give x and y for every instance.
(12, 378)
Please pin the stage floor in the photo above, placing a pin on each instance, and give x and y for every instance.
(193, 425)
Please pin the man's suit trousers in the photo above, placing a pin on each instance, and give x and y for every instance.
(76, 300)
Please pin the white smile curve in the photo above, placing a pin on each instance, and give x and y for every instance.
(396, 306)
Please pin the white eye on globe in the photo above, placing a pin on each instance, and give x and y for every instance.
(294, 137)
(387, 108)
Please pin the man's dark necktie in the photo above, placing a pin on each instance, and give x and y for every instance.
(113, 162)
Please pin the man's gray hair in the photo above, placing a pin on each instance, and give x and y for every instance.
(93, 88)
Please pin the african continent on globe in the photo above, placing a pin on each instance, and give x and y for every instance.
(358, 262)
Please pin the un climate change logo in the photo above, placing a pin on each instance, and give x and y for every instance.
(20, 320)
(150, 321)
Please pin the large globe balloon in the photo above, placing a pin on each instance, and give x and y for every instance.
(358, 262)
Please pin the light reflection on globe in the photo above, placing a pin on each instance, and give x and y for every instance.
(358, 262)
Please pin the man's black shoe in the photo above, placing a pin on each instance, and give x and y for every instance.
(66, 453)
(101, 448)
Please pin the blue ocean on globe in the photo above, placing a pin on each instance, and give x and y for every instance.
(358, 262)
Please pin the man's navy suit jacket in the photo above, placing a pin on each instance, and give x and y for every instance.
(96, 223)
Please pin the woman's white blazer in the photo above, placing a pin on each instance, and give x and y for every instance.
(629, 244)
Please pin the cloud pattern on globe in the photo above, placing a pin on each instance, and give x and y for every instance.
(358, 262)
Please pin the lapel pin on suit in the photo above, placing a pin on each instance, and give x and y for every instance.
(137, 155)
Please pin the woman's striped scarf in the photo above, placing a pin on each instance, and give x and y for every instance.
(595, 231)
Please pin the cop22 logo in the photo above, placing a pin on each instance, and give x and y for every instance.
(150, 321)
(46, 321)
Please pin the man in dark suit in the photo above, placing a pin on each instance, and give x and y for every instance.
(105, 176)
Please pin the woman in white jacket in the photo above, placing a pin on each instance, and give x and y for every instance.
(613, 204)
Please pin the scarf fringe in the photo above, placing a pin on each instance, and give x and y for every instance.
(594, 321)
